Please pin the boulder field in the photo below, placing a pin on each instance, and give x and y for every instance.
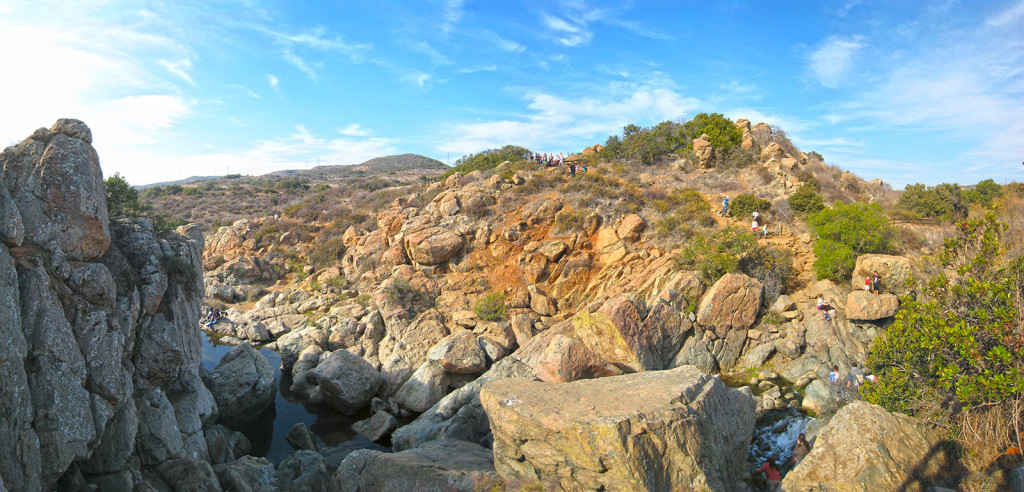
(601, 374)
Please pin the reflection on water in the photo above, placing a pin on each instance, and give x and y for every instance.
(267, 433)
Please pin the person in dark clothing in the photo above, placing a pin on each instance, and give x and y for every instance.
(801, 449)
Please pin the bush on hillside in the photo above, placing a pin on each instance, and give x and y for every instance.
(122, 198)
(963, 341)
(733, 250)
(806, 200)
(846, 232)
(683, 209)
(983, 193)
(744, 205)
(491, 307)
(721, 131)
(943, 201)
(489, 159)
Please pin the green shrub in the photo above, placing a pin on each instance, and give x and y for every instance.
(489, 159)
(716, 254)
(983, 193)
(744, 205)
(846, 232)
(806, 200)
(963, 340)
(721, 131)
(122, 198)
(491, 307)
(943, 201)
(684, 209)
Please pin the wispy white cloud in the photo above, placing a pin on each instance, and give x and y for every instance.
(251, 93)
(274, 83)
(436, 57)
(312, 41)
(486, 68)
(179, 68)
(1012, 14)
(419, 79)
(833, 60)
(354, 130)
(451, 14)
(642, 30)
(504, 44)
(553, 121)
(566, 33)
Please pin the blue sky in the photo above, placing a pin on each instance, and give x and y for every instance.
(904, 91)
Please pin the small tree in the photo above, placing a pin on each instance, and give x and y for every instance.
(846, 232)
(122, 198)
(806, 200)
(744, 205)
(721, 131)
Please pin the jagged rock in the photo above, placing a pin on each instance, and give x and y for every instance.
(894, 270)
(158, 438)
(731, 304)
(696, 352)
(377, 426)
(12, 230)
(58, 188)
(225, 445)
(246, 474)
(304, 471)
(541, 211)
(308, 359)
(447, 204)
(703, 151)
(185, 474)
(620, 336)
(587, 433)
(432, 245)
(244, 385)
(347, 381)
(458, 415)
(522, 328)
(863, 305)
(747, 141)
(300, 438)
(864, 447)
(757, 356)
(557, 357)
(426, 386)
(630, 228)
(116, 443)
(440, 465)
(542, 304)
(459, 353)
(815, 397)
(783, 304)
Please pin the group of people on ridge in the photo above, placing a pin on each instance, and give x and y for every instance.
(756, 226)
(553, 160)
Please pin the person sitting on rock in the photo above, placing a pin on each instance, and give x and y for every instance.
(825, 307)
(771, 474)
(801, 449)
(876, 284)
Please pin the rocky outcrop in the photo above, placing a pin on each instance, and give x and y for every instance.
(432, 245)
(731, 304)
(864, 447)
(347, 382)
(98, 317)
(863, 305)
(244, 385)
(54, 179)
(630, 339)
(894, 270)
(703, 151)
(655, 430)
(439, 465)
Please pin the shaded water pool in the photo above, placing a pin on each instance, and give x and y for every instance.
(267, 433)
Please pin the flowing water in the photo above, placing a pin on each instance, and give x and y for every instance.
(776, 435)
(267, 433)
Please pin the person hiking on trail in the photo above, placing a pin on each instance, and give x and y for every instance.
(801, 449)
(855, 379)
(754, 226)
(725, 205)
(572, 169)
(771, 474)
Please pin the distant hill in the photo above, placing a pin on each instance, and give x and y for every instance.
(190, 179)
(380, 165)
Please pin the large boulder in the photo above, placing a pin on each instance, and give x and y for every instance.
(439, 465)
(731, 304)
(630, 227)
(703, 150)
(347, 381)
(894, 270)
(426, 386)
(55, 180)
(619, 334)
(459, 353)
(864, 447)
(244, 385)
(863, 305)
(304, 471)
(432, 245)
(656, 430)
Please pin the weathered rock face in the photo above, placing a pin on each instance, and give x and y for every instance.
(347, 382)
(54, 178)
(654, 430)
(731, 304)
(244, 385)
(864, 447)
(863, 305)
(439, 465)
(703, 151)
(432, 245)
(894, 270)
(96, 319)
(634, 341)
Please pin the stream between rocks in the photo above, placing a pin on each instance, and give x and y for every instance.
(267, 433)
(776, 434)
